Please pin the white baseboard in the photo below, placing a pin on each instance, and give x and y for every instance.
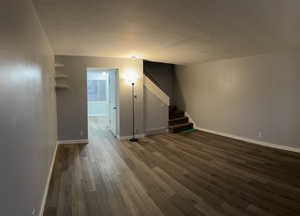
(81, 141)
(154, 131)
(248, 140)
(48, 181)
(190, 119)
(128, 137)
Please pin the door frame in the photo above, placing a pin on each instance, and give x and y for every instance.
(116, 70)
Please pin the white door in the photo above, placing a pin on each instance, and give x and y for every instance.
(113, 107)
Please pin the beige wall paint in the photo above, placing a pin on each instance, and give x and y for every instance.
(27, 110)
(245, 96)
(72, 103)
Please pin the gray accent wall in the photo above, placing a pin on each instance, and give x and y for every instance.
(254, 97)
(27, 110)
(163, 75)
(72, 102)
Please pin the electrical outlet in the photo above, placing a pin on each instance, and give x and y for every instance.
(33, 212)
(259, 134)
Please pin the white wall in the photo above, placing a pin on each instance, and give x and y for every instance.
(27, 110)
(245, 96)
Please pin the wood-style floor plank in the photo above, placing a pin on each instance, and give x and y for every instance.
(195, 174)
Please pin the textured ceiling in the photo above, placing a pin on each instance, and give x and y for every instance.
(175, 31)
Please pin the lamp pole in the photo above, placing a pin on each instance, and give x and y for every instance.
(133, 139)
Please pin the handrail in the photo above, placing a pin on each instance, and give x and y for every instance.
(149, 84)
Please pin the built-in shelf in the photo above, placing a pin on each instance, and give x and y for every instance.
(59, 65)
(60, 76)
(62, 86)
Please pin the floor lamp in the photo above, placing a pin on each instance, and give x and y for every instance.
(132, 78)
(133, 138)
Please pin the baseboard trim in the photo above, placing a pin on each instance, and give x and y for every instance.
(190, 119)
(252, 141)
(128, 137)
(154, 131)
(48, 181)
(81, 141)
(248, 140)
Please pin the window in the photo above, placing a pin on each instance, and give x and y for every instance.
(97, 90)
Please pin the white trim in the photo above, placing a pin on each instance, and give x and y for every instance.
(48, 181)
(128, 137)
(156, 91)
(248, 140)
(81, 141)
(153, 131)
(190, 119)
(252, 141)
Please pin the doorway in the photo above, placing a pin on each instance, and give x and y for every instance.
(102, 99)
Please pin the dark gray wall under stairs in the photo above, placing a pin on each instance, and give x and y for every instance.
(162, 74)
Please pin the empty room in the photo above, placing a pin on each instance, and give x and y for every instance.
(150, 108)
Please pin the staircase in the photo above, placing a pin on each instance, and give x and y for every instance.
(178, 122)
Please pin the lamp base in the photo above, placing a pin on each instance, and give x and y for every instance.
(133, 139)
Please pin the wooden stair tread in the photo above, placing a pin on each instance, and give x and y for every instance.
(176, 113)
(178, 118)
(178, 122)
(180, 125)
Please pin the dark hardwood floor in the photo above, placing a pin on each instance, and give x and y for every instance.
(173, 175)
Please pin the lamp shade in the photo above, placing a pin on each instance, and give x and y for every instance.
(130, 77)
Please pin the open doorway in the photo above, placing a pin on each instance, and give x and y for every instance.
(102, 99)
